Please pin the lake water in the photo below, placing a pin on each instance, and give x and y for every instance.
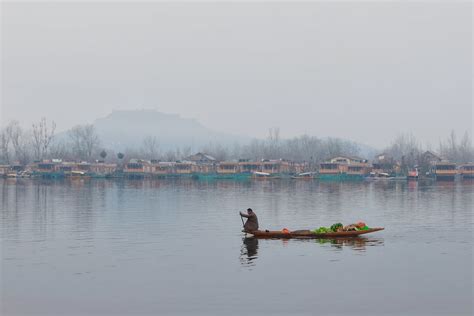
(96, 247)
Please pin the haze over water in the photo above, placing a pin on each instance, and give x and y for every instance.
(175, 247)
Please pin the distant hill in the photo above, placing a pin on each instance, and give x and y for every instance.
(127, 129)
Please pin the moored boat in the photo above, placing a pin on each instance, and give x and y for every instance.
(264, 175)
(467, 171)
(444, 171)
(304, 176)
(413, 174)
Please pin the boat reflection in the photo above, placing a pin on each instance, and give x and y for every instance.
(355, 243)
(249, 249)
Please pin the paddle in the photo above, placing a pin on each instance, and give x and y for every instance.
(243, 225)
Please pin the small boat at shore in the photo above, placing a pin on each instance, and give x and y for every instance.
(304, 175)
(264, 175)
(310, 234)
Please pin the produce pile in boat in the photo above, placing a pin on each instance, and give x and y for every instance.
(338, 227)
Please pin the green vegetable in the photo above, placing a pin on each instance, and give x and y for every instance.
(336, 226)
(321, 230)
(364, 228)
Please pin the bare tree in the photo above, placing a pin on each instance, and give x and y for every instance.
(84, 140)
(91, 139)
(218, 151)
(75, 136)
(5, 145)
(150, 147)
(186, 151)
(42, 137)
(406, 149)
(170, 156)
(272, 150)
(461, 153)
(20, 141)
(59, 149)
(466, 150)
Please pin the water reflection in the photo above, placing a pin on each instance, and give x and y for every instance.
(354, 243)
(249, 250)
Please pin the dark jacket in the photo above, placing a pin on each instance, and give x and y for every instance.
(252, 222)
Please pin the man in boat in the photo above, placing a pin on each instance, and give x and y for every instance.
(252, 221)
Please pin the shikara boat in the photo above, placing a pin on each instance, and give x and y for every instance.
(310, 234)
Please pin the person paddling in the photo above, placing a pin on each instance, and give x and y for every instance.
(252, 221)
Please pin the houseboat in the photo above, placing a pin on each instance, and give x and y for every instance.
(47, 169)
(160, 169)
(136, 169)
(331, 171)
(276, 168)
(4, 170)
(467, 171)
(66, 168)
(357, 171)
(230, 170)
(444, 171)
(102, 170)
(344, 168)
(250, 167)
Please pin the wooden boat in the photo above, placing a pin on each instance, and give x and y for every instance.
(310, 234)
(304, 176)
(264, 175)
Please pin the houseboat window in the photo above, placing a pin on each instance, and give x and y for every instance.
(328, 166)
(270, 166)
(45, 166)
(355, 168)
(134, 166)
(183, 167)
(250, 167)
(228, 167)
(445, 167)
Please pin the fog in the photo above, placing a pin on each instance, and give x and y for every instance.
(362, 71)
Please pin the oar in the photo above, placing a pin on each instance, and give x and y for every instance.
(243, 225)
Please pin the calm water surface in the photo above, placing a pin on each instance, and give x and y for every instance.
(174, 247)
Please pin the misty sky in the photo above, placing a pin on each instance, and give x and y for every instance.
(363, 71)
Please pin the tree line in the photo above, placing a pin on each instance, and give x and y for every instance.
(82, 143)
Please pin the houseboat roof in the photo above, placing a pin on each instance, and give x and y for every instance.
(165, 163)
(350, 158)
(429, 152)
(135, 160)
(201, 157)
